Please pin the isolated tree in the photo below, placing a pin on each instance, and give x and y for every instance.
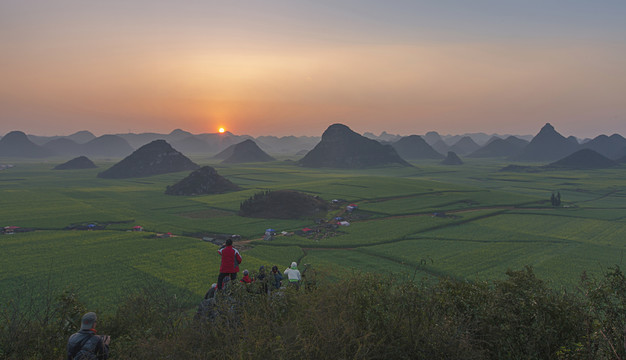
(553, 200)
(558, 198)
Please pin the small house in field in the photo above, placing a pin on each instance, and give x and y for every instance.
(137, 228)
(351, 208)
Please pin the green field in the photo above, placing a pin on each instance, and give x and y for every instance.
(494, 221)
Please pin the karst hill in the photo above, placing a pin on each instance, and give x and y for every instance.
(244, 152)
(341, 147)
(547, 145)
(500, 148)
(464, 146)
(582, 160)
(157, 157)
(79, 163)
(203, 181)
(414, 147)
(452, 159)
(17, 144)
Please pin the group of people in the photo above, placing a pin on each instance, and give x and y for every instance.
(86, 344)
(229, 267)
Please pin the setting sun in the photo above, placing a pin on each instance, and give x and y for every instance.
(221, 130)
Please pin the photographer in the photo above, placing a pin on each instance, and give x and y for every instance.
(85, 344)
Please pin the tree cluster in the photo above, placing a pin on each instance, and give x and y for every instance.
(556, 200)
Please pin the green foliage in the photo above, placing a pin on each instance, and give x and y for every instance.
(606, 307)
(364, 316)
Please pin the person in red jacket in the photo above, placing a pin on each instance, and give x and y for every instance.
(230, 262)
(246, 277)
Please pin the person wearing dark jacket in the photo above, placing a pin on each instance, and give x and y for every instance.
(276, 277)
(85, 343)
(230, 262)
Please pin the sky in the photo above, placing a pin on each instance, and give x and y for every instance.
(294, 67)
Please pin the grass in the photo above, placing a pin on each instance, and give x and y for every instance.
(498, 221)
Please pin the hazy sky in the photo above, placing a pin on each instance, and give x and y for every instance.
(264, 67)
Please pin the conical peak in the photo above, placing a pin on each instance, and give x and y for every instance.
(547, 127)
(337, 130)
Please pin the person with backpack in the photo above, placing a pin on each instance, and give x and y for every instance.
(85, 344)
(230, 262)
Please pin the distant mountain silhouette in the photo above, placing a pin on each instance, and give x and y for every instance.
(179, 134)
(107, 146)
(583, 159)
(547, 145)
(432, 137)
(441, 147)
(341, 147)
(500, 148)
(81, 137)
(573, 139)
(226, 153)
(193, 145)
(157, 157)
(205, 180)
(414, 147)
(81, 162)
(287, 144)
(245, 152)
(613, 147)
(464, 146)
(17, 144)
(452, 159)
(64, 146)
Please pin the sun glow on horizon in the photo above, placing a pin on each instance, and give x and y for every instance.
(221, 130)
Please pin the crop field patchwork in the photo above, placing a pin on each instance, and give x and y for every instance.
(489, 221)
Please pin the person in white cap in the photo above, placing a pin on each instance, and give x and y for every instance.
(85, 344)
(293, 274)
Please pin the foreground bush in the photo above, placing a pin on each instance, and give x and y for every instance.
(363, 317)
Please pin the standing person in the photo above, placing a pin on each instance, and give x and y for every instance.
(293, 274)
(276, 278)
(230, 262)
(85, 344)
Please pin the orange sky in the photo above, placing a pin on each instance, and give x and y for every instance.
(294, 70)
